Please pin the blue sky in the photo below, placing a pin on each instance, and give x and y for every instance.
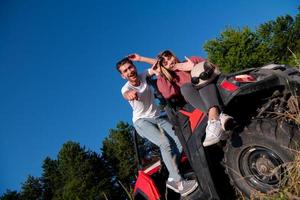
(57, 65)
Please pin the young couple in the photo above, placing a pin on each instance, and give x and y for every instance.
(173, 80)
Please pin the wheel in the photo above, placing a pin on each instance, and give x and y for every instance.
(255, 156)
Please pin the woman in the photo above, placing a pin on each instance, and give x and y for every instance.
(174, 79)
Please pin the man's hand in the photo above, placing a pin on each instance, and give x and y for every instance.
(131, 95)
(134, 57)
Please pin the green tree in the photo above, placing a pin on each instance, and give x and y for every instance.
(76, 174)
(31, 189)
(118, 151)
(51, 179)
(281, 34)
(82, 173)
(239, 49)
(10, 195)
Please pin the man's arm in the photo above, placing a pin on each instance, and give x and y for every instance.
(130, 95)
(139, 58)
(153, 70)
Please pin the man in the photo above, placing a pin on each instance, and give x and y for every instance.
(149, 124)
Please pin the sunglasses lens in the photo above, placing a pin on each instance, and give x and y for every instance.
(195, 80)
(208, 71)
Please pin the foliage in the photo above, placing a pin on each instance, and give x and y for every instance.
(239, 49)
(51, 179)
(119, 154)
(10, 195)
(236, 50)
(76, 174)
(31, 189)
(82, 174)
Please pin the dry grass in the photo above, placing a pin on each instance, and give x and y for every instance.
(290, 186)
(293, 114)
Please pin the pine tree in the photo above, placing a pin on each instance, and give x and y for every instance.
(118, 151)
(31, 189)
(10, 195)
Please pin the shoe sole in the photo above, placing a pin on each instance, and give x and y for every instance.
(190, 191)
(172, 188)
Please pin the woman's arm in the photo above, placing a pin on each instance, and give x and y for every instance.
(154, 70)
(189, 63)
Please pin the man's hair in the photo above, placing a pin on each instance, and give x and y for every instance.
(123, 62)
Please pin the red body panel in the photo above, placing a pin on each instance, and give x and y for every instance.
(195, 117)
(153, 168)
(146, 187)
(229, 86)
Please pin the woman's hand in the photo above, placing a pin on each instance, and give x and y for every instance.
(188, 61)
(155, 68)
(185, 66)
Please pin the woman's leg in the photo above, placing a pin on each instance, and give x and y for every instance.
(192, 96)
(206, 99)
(210, 96)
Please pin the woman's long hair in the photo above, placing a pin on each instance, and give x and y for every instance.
(167, 74)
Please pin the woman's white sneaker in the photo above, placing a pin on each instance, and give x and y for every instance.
(227, 121)
(214, 132)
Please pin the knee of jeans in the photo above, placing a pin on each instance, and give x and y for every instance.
(164, 144)
(137, 124)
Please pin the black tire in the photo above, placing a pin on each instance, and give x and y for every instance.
(254, 152)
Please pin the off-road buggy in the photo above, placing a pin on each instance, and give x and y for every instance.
(252, 158)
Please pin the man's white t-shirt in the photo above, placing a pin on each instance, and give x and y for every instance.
(145, 106)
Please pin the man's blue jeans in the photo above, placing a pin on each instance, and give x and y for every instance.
(159, 131)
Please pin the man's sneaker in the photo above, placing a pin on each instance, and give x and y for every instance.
(227, 121)
(184, 187)
(173, 185)
(214, 132)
